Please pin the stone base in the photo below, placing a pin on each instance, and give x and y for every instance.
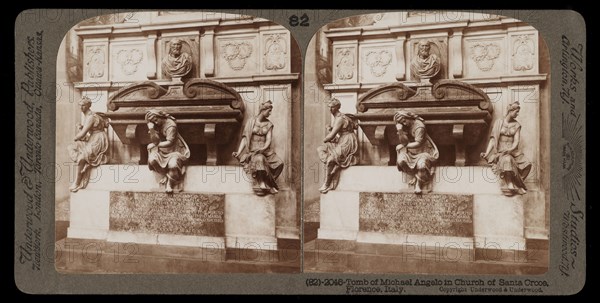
(285, 232)
(89, 214)
(446, 179)
(339, 215)
(498, 221)
(199, 179)
(415, 240)
(99, 256)
(355, 257)
(87, 233)
(250, 221)
(416, 255)
(165, 239)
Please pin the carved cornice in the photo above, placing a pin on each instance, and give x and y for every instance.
(196, 88)
(399, 91)
(92, 31)
(483, 81)
(366, 32)
(147, 89)
(233, 81)
(463, 91)
(195, 92)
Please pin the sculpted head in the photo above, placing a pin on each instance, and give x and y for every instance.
(85, 103)
(175, 47)
(157, 117)
(405, 118)
(266, 108)
(513, 109)
(424, 48)
(334, 105)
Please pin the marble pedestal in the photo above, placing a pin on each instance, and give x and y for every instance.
(248, 221)
(497, 221)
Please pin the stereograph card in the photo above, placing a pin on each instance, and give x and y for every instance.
(233, 151)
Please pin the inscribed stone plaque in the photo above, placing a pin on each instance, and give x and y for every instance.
(180, 213)
(408, 213)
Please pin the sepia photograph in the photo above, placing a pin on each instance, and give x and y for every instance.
(300, 151)
(427, 146)
(176, 135)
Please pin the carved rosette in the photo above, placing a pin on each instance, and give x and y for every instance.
(129, 59)
(378, 62)
(236, 53)
(485, 55)
(95, 62)
(345, 63)
(275, 54)
(523, 53)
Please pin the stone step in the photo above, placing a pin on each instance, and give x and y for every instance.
(95, 256)
(378, 258)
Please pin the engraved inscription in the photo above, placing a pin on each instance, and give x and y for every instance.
(407, 213)
(156, 212)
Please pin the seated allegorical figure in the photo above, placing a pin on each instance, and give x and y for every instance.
(339, 148)
(504, 154)
(168, 152)
(416, 153)
(90, 146)
(259, 159)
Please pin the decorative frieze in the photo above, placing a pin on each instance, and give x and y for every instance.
(96, 61)
(523, 53)
(345, 63)
(484, 55)
(236, 53)
(275, 53)
(129, 59)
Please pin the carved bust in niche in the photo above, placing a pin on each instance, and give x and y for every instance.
(176, 63)
(424, 65)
